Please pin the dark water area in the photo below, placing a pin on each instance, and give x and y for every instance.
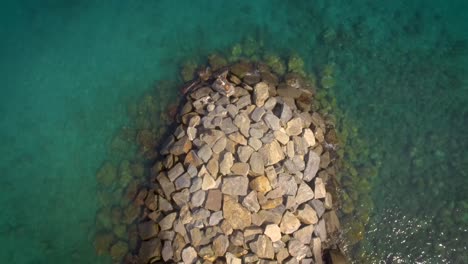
(70, 69)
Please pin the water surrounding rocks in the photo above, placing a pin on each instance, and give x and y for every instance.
(239, 179)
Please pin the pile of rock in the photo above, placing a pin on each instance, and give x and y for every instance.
(242, 178)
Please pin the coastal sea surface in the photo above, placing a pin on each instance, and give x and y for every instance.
(69, 70)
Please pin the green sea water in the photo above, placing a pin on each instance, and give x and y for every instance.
(70, 68)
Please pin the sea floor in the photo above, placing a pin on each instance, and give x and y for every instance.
(70, 69)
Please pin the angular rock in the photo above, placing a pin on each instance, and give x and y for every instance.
(273, 231)
(304, 193)
(270, 103)
(213, 166)
(271, 175)
(320, 230)
(220, 145)
(255, 143)
(318, 207)
(167, 252)
(226, 163)
(256, 132)
(304, 235)
(251, 202)
(232, 110)
(317, 249)
(257, 114)
(243, 123)
(192, 159)
(260, 184)
(235, 214)
(220, 245)
(289, 223)
(176, 171)
(309, 137)
(272, 153)
(228, 127)
(183, 181)
(272, 121)
(240, 168)
(282, 137)
(244, 153)
(164, 205)
(256, 164)
(181, 146)
(208, 182)
(198, 198)
(260, 93)
(189, 255)
(167, 222)
(300, 146)
(286, 114)
(232, 259)
(238, 138)
(181, 198)
(216, 218)
(214, 200)
(244, 101)
(294, 127)
(205, 153)
(263, 247)
(297, 249)
(191, 133)
(235, 185)
(307, 215)
(166, 185)
(320, 191)
(312, 166)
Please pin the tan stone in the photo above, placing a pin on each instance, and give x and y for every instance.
(260, 184)
(235, 214)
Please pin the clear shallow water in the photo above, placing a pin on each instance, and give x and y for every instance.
(69, 70)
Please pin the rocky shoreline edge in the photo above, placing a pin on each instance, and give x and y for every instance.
(246, 176)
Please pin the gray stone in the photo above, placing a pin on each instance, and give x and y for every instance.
(260, 93)
(272, 121)
(268, 138)
(210, 107)
(320, 230)
(270, 103)
(164, 205)
(181, 146)
(167, 222)
(307, 215)
(318, 207)
(214, 200)
(288, 183)
(228, 126)
(251, 202)
(220, 245)
(320, 191)
(213, 167)
(175, 172)
(181, 198)
(286, 114)
(202, 92)
(271, 174)
(243, 123)
(297, 249)
(312, 166)
(240, 168)
(256, 132)
(238, 138)
(192, 170)
(300, 145)
(211, 136)
(235, 214)
(244, 153)
(220, 145)
(257, 114)
(304, 193)
(235, 185)
(244, 101)
(232, 259)
(216, 218)
(294, 127)
(309, 137)
(273, 231)
(198, 198)
(232, 110)
(237, 238)
(226, 163)
(166, 185)
(196, 184)
(256, 164)
(182, 181)
(304, 235)
(220, 111)
(189, 255)
(167, 252)
(179, 132)
(317, 249)
(263, 247)
(208, 182)
(207, 121)
(290, 150)
(281, 136)
(272, 153)
(289, 223)
(217, 121)
(205, 153)
(255, 143)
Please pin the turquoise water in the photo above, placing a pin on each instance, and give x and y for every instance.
(69, 69)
